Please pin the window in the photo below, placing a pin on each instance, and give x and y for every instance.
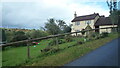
(77, 30)
(77, 23)
(71, 25)
(88, 22)
(73, 28)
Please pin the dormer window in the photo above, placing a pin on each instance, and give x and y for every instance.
(77, 23)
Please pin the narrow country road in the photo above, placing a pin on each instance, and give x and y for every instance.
(106, 55)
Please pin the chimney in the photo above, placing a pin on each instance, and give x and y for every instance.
(75, 15)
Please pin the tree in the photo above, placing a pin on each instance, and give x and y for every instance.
(83, 31)
(61, 24)
(9, 35)
(118, 13)
(67, 29)
(37, 33)
(57, 26)
(42, 28)
(52, 27)
(114, 17)
(3, 36)
(114, 13)
(18, 36)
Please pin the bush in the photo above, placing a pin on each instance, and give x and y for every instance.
(49, 50)
(46, 49)
(54, 42)
(36, 33)
(54, 50)
(104, 34)
(9, 35)
(79, 42)
(6, 48)
(68, 38)
(95, 35)
(19, 36)
(83, 31)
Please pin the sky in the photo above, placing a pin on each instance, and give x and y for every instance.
(33, 14)
(119, 5)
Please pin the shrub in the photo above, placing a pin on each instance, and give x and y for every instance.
(6, 48)
(54, 50)
(83, 31)
(36, 33)
(104, 34)
(68, 38)
(60, 41)
(46, 49)
(49, 50)
(95, 36)
(71, 46)
(79, 42)
(19, 36)
(9, 35)
(54, 42)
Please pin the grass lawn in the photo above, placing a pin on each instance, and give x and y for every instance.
(18, 56)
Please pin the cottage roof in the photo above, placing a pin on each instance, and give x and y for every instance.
(104, 21)
(85, 17)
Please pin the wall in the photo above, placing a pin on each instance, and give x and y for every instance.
(96, 18)
(106, 30)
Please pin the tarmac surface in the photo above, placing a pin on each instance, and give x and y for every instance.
(106, 55)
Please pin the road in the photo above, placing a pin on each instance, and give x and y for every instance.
(106, 55)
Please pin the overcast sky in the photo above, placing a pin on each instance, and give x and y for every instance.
(32, 14)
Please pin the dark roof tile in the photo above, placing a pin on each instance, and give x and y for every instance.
(104, 21)
(85, 17)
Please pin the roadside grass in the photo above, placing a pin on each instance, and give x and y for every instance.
(18, 56)
(70, 54)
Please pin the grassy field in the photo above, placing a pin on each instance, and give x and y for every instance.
(18, 56)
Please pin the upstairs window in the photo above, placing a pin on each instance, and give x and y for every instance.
(77, 23)
(73, 28)
(88, 22)
(77, 30)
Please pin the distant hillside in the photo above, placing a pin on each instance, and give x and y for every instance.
(15, 34)
(15, 29)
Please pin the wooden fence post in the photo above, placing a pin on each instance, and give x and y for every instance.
(76, 33)
(28, 50)
(106, 30)
(57, 43)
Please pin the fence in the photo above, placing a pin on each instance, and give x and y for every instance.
(28, 41)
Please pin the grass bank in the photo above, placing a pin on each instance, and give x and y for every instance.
(70, 54)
